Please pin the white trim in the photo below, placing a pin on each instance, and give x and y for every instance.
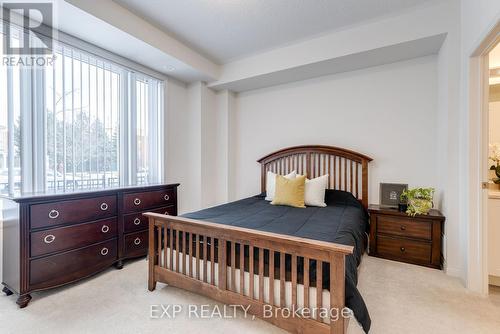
(96, 51)
(477, 111)
(60, 37)
(38, 132)
(132, 140)
(455, 272)
(154, 153)
(26, 125)
(161, 126)
(10, 125)
(124, 129)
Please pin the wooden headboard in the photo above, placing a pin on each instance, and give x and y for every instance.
(348, 170)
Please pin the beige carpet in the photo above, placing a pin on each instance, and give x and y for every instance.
(401, 299)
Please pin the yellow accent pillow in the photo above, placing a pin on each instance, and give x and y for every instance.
(290, 192)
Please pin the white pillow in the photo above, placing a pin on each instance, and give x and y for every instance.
(271, 183)
(315, 191)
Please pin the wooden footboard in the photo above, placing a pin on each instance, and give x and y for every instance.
(209, 259)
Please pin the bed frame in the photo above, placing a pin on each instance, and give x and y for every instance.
(187, 253)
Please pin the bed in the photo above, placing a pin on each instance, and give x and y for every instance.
(275, 257)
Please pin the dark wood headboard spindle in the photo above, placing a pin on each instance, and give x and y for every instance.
(348, 170)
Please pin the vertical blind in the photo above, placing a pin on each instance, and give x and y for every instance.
(83, 123)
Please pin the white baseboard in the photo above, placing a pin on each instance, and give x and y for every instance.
(455, 272)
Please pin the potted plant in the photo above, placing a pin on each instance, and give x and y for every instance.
(419, 200)
(403, 202)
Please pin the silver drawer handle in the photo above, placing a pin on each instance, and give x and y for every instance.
(166, 213)
(137, 201)
(104, 251)
(105, 229)
(49, 238)
(137, 241)
(53, 214)
(166, 197)
(104, 206)
(137, 221)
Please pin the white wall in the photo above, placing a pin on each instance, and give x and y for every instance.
(197, 143)
(182, 130)
(387, 112)
(494, 122)
(447, 140)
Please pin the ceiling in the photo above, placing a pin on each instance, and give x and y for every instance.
(226, 30)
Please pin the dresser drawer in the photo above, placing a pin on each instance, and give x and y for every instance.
(403, 249)
(136, 221)
(136, 244)
(141, 201)
(404, 227)
(70, 237)
(70, 266)
(72, 211)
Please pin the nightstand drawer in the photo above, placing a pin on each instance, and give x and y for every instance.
(404, 227)
(403, 249)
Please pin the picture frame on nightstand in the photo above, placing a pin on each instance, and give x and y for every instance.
(390, 193)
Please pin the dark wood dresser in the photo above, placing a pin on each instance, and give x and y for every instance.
(396, 236)
(53, 239)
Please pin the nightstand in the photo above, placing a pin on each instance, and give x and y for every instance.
(396, 236)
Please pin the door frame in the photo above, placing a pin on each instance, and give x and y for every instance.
(478, 138)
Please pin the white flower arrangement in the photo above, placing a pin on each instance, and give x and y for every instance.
(494, 157)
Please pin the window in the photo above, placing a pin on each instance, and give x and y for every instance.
(84, 123)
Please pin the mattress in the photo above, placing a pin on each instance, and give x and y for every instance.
(343, 221)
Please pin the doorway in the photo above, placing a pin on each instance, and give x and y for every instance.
(478, 163)
(493, 215)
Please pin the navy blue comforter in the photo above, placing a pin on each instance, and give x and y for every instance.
(343, 221)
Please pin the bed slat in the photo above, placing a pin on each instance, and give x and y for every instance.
(242, 269)
(282, 279)
(306, 282)
(177, 249)
(271, 277)
(233, 267)
(251, 271)
(165, 245)
(159, 247)
(191, 245)
(222, 267)
(294, 280)
(171, 248)
(261, 274)
(212, 260)
(205, 257)
(184, 253)
(319, 285)
(197, 244)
